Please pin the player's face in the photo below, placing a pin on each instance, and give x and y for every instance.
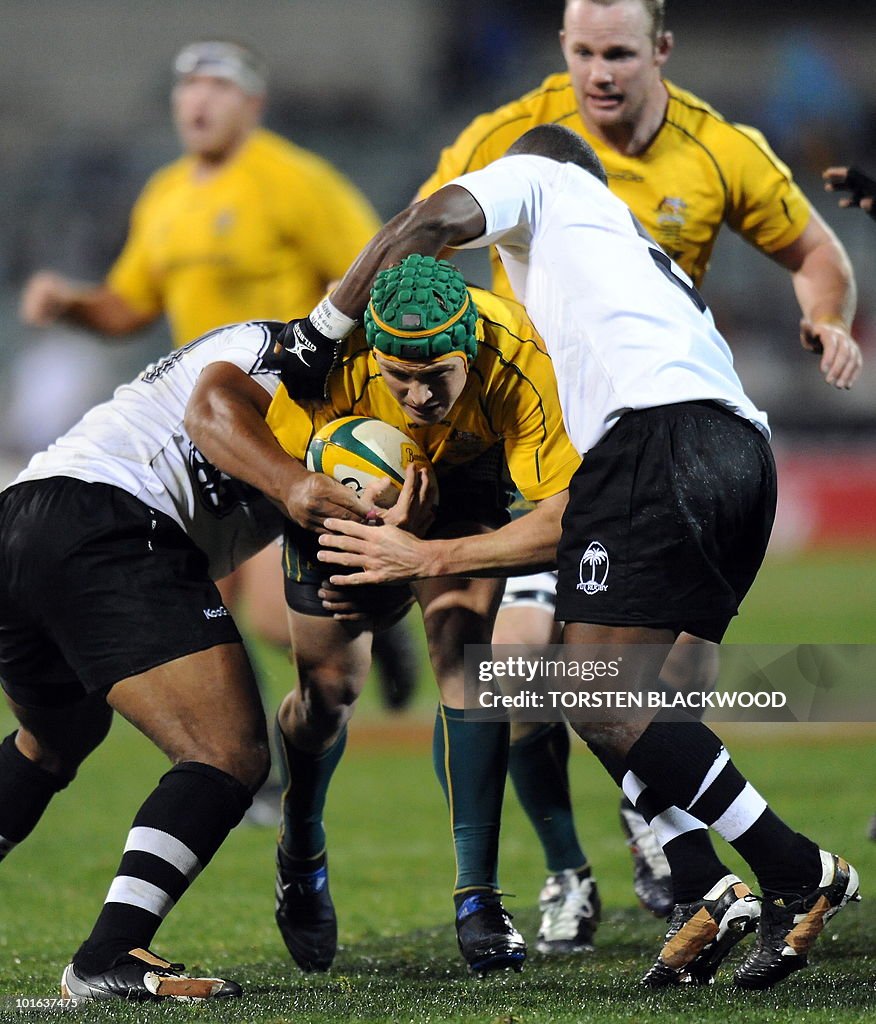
(614, 63)
(213, 115)
(426, 391)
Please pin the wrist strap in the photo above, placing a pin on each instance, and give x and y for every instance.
(330, 321)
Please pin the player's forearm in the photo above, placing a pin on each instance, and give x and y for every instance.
(825, 287)
(49, 297)
(448, 217)
(528, 544)
(824, 281)
(310, 346)
(101, 310)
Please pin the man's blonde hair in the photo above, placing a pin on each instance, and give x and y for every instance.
(655, 9)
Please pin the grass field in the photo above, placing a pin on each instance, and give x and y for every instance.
(392, 870)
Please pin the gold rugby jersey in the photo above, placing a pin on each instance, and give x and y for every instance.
(510, 398)
(699, 172)
(260, 239)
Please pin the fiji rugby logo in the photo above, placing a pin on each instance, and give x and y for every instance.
(596, 557)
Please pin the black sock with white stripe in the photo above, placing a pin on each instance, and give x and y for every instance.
(181, 825)
(25, 792)
(686, 764)
(684, 839)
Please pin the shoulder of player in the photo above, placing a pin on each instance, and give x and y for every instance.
(490, 134)
(255, 337)
(167, 177)
(726, 140)
(354, 351)
(259, 336)
(510, 343)
(272, 154)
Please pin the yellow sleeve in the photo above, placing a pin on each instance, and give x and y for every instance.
(330, 218)
(541, 459)
(290, 423)
(131, 276)
(524, 406)
(294, 423)
(482, 142)
(766, 206)
(489, 135)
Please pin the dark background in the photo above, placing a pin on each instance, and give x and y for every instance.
(379, 87)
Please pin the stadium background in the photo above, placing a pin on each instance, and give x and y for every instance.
(378, 88)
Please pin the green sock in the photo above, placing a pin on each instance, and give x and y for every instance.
(539, 768)
(471, 761)
(305, 779)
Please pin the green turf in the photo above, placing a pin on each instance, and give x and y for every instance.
(826, 597)
(392, 872)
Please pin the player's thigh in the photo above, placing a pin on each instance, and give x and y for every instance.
(667, 521)
(332, 657)
(456, 612)
(370, 607)
(526, 614)
(260, 595)
(458, 609)
(201, 707)
(111, 587)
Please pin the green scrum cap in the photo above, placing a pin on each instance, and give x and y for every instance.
(420, 310)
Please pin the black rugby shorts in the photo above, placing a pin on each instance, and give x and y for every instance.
(95, 587)
(668, 521)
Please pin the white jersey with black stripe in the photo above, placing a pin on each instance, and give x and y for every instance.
(624, 326)
(137, 441)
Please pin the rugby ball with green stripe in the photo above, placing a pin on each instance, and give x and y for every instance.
(357, 450)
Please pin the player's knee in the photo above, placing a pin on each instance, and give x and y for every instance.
(248, 763)
(95, 730)
(521, 731)
(611, 739)
(593, 733)
(258, 768)
(329, 690)
(448, 630)
(239, 748)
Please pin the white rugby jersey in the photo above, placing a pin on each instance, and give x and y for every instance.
(623, 324)
(137, 442)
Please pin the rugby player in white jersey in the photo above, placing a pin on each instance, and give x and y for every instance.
(109, 545)
(675, 497)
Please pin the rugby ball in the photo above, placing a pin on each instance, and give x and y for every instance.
(357, 450)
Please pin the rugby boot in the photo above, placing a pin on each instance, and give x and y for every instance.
(570, 913)
(141, 976)
(487, 939)
(789, 928)
(702, 933)
(306, 916)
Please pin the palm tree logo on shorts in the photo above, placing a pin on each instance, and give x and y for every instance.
(597, 558)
